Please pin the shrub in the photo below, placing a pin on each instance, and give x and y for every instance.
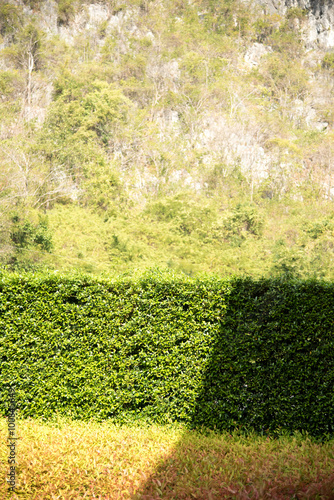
(328, 61)
(66, 12)
(244, 219)
(271, 366)
(284, 76)
(11, 83)
(256, 354)
(10, 19)
(296, 13)
(188, 215)
(25, 234)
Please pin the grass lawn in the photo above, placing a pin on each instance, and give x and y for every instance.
(71, 460)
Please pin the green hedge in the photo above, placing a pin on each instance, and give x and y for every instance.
(272, 365)
(207, 352)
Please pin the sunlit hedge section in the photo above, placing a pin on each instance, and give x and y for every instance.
(104, 349)
(207, 351)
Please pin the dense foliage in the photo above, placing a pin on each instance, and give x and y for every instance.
(272, 365)
(222, 354)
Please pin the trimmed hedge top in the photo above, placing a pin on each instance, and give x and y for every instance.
(212, 352)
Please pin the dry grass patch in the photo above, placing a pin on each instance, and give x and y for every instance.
(71, 460)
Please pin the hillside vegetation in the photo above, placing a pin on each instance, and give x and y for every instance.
(191, 135)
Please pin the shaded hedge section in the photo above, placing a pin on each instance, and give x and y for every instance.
(218, 353)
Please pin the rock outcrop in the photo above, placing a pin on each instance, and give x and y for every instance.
(319, 28)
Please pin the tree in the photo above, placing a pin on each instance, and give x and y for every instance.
(323, 157)
(26, 54)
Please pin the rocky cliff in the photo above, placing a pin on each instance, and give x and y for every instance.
(319, 27)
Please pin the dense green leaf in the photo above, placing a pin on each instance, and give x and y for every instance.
(223, 354)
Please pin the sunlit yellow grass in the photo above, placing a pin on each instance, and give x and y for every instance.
(78, 460)
(69, 460)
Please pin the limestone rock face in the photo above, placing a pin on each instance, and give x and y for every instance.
(48, 17)
(320, 26)
(255, 53)
(272, 6)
